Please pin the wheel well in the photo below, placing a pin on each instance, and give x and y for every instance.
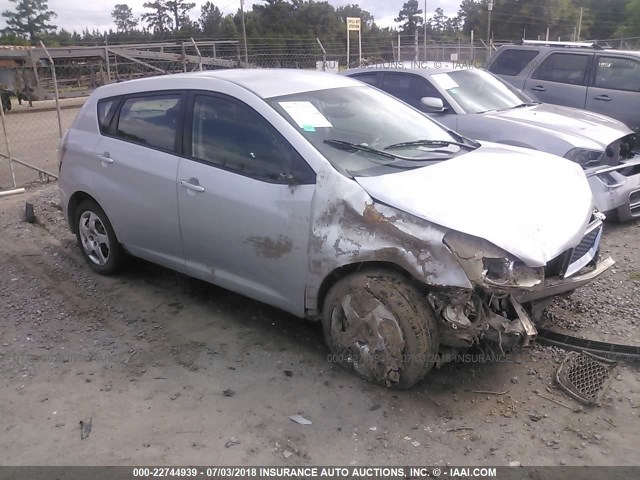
(341, 272)
(75, 200)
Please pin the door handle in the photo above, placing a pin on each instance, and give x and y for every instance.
(603, 98)
(539, 88)
(105, 157)
(191, 186)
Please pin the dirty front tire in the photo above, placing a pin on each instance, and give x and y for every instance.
(97, 240)
(378, 325)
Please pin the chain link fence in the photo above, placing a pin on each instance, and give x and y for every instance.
(32, 125)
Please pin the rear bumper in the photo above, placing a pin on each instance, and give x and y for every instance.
(557, 286)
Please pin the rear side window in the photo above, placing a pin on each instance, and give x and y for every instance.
(511, 62)
(106, 109)
(618, 73)
(151, 120)
(563, 68)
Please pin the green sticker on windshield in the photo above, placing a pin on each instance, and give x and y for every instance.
(308, 128)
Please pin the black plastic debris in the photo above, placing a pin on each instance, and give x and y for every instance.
(29, 214)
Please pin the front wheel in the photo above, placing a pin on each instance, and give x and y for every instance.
(378, 325)
(100, 246)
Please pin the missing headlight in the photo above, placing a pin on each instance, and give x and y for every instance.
(491, 267)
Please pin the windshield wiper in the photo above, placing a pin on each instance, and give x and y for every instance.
(527, 105)
(341, 144)
(430, 143)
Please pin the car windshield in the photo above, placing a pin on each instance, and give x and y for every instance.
(478, 91)
(365, 132)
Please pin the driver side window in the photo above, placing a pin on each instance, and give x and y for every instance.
(408, 88)
(230, 135)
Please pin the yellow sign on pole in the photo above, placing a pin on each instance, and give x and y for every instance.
(354, 24)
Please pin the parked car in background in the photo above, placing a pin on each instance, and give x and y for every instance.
(580, 75)
(479, 105)
(333, 201)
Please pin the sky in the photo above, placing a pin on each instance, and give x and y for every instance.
(78, 14)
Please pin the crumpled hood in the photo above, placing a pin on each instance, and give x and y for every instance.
(588, 129)
(532, 204)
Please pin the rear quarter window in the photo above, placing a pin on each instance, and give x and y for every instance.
(106, 109)
(511, 62)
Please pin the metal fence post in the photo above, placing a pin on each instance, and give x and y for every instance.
(324, 55)
(55, 86)
(6, 142)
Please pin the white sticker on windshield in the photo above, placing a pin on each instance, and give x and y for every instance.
(306, 115)
(445, 81)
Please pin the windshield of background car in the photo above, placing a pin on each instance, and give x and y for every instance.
(362, 116)
(477, 91)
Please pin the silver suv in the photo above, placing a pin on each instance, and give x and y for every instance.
(580, 75)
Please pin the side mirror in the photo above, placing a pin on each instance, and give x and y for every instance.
(432, 105)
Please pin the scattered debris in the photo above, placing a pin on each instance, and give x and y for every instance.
(534, 417)
(515, 380)
(554, 401)
(287, 453)
(288, 373)
(585, 377)
(228, 392)
(415, 443)
(374, 407)
(514, 463)
(175, 396)
(489, 392)
(373, 429)
(85, 428)
(300, 419)
(130, 357)
(232, 442)
(457, 429)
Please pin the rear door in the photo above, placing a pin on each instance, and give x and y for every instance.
(615, 89)
(136, 180)
(245, 199)
(561, 79)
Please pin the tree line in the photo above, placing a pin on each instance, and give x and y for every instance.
(29, 21)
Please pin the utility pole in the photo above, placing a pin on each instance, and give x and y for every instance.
(580, 23)
(490, 7)
(244, 36)
(425, 30)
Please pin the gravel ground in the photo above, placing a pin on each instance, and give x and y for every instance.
(170, 370)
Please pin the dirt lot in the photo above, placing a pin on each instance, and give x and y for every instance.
(149, 355)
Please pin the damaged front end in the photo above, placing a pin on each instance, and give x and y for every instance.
(492, 313)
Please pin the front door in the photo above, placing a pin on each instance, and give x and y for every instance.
(245, 198)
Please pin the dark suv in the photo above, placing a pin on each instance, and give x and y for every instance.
(581, 75)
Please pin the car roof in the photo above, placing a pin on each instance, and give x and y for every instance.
(569, 48)
(266, 83)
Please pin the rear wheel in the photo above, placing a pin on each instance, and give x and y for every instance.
(98, 241)
(380, 326)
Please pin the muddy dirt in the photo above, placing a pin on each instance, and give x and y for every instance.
(170, 370)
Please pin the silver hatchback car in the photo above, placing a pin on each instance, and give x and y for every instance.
(333, 201)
